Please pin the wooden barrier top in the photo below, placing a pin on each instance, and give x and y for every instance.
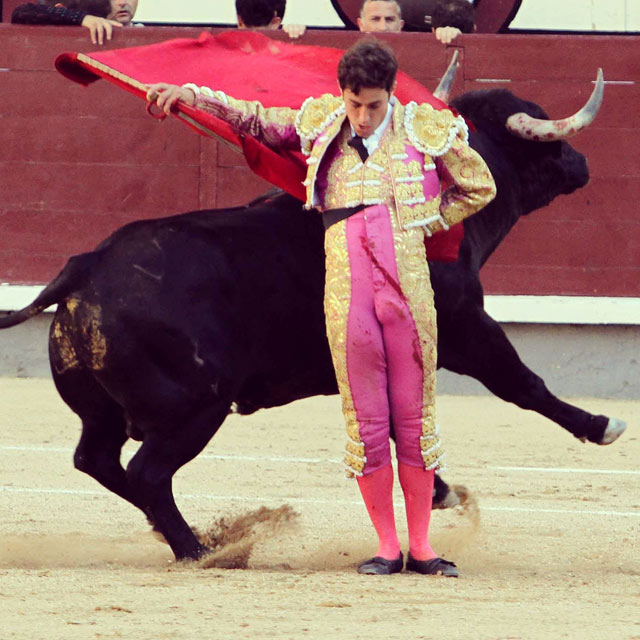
(78, 162)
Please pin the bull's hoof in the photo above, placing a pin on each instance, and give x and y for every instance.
(448, 501)
(195, 555)
(614, 430)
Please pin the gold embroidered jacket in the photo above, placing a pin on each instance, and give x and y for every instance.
(439, 137)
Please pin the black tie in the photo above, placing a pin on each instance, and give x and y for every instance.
(357, 143)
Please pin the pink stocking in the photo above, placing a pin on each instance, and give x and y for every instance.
(377, 492)
(417, 486)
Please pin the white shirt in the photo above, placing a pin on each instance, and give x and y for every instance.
(371, 143)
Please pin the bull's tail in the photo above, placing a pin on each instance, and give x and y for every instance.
(69, 279)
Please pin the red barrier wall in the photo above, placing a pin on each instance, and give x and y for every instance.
(7, 8)
(76, 163)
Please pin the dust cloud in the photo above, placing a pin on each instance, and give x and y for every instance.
(75, 549)
(232, 540)
(464, 528)
(264, 538)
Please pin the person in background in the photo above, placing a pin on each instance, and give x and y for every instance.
(386, 16)
(453, 14)
(100, 17)
(375, 174)
(380, 16)
(257, 14)
(123, 11)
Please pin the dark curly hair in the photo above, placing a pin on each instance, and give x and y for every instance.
(259, 13)
(454, 13)
(367, 64)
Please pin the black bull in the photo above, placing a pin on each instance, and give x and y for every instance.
(169, 322)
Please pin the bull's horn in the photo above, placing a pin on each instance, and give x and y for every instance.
(524, 126)
(444, 86)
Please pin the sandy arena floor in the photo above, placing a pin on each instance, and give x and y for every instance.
(551, 552)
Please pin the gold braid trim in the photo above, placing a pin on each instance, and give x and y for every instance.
(90, 62)
(314, 116)
(432, 131)
(337, 299)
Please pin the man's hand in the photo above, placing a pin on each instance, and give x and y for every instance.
(99, 28)
(166, 95)
(447, 35)
(294, 30)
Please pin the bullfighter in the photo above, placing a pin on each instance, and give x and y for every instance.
(383, 175)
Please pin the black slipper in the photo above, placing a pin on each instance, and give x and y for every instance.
(378, 566)
(433, 567)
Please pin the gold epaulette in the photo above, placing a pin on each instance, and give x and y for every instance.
(433, 131)
(314, 116)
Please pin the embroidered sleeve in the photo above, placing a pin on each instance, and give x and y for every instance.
(471, 184)
(274, 126)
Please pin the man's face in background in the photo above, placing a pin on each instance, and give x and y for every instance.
(377, 15)
(122, 11)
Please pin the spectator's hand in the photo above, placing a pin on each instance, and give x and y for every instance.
(166, 95)
(294, 30)
(99, 28)
(447, 35)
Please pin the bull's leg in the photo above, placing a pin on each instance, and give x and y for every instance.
(98, 455)
(475, 345)
(103, 432)
(151, 472)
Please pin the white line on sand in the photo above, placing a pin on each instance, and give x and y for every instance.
(293, 460)
(280, 499)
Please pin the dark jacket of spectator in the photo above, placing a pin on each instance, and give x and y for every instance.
(71, 12)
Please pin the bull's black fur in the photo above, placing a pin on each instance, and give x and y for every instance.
(168, 322)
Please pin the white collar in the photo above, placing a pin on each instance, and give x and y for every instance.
(372, 142)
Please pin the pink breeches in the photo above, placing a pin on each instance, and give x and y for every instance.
(384, 358)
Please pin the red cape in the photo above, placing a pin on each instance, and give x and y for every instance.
(249, 66)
